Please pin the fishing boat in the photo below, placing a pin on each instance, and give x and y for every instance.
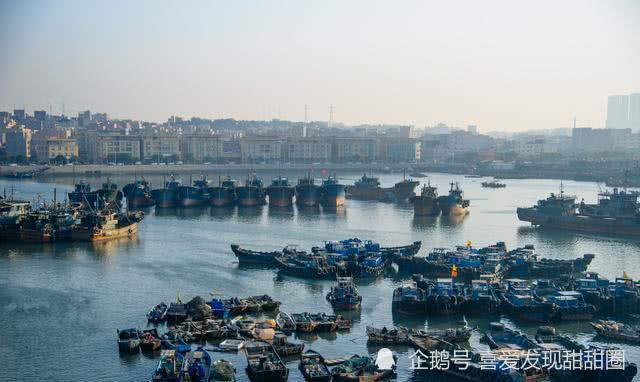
(128, 340)
(109, 193)
(332, 193)
(265, 302)
(264, 364)
(307, 191)
(224, 194)
(493, 184)
(368, 188)
(313, 367)
(252, 193)
(385, 336)
(138, 194)
(451, 335)
(222, 371)
(83, 195)
(149, 340)
(426, 204)
(617, 331)
(345, 295)
(286, 323)
(518, 300)
(454, 203)
(177, 312)
(373, 265)
(280, 192)
(179, 345)
(232, 344)
(106, 225)
(168, 195)
(442, 297)
(570, 306)
(12, 210)
(305, 265)
(283, 347)
(196, 366)
(404, 189)
(499, 336)
(359, 368)
(247, 256)
(409, 299)
(553, 342)
(480, 299)
(158, 313)
(323, 322)
(169, 367)
(196, 195)
(303, 322)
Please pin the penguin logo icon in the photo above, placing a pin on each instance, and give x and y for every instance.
(385, 360)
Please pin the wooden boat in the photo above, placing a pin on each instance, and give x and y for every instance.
(232, 344)
(247, 256)
(324, 323)
(451, 335)
(177, 344)
(177, 312)
(306, 265)
(149, 340)
(158, 313)
(285, 322)
(313, 367)
(266, 303)
(264, 364)
(303, 322)
(222, 371)
(105, 226)
(384, 336)
(493, 185)
(128, 340)
(285, 348)
(499, 337)
(196, 366)
(168, 367)
(358, 369)
(617, 331)
(345, 295)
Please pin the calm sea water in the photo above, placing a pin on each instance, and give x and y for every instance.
(60, 305)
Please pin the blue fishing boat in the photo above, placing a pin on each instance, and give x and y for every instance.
(196, 195)
(169, 367)
(196, 366)
(280, 192)
(264, 364)
(345, 295)
(306, 265)
(499, 336)
(371, 266)
(247, 256)
(158, 313)
(409, 299)
(307, 192)
(443, 297)
(224, 194)
(176, 344)
(480, 299)
(332, 193)
(252, 193)
(571, 306)
(138, 194)
(168, 195)
(519, 301)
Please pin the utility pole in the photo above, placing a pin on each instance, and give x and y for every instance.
(306, 110)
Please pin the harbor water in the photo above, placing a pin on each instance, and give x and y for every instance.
(60, 304)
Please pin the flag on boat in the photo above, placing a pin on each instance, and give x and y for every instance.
(454, 271)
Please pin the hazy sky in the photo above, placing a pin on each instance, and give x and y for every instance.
(504, 65)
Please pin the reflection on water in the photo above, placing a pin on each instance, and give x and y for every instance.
(80, 293)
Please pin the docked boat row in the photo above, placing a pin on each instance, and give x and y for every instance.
(491, 262)
(368, 188)
(351, 257)
(229, 192)
(26, 222)
(508, 346)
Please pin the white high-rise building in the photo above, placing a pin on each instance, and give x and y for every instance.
(634, 111)
(618, 112)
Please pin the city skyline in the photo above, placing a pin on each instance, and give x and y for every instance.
(514, 68)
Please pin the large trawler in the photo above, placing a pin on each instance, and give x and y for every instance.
(252, 193)
(426, 204)
(616, 212)
(280, 192)
(453, 204)
(307, 192)
(168, 195)
(332, 192)
(224, 194)
(196, 195)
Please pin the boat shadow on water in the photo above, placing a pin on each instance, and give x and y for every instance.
(222, 213)
(184, 213)
(424, 223)
(568, 236)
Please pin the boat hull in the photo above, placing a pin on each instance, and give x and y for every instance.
(222, 196)
(87, 234)
(333, 195)
(165, 198)
(192, 197)
(404, 190)
(581, 223)
(425, 206)
(281, 196)
(307, 195)
(138, 201)
(250, 196)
